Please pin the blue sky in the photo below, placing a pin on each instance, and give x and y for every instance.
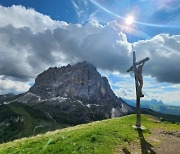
(98, 27)
(57, 10)
(153, 16)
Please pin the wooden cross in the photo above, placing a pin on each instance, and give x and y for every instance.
(138, 90)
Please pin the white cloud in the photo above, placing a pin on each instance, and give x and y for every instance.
(19, 17)
(25, 51)
(81, 9)
(77, 9)
(124, 87)
(164, 54)
(93, 17)
(10, 86)
(105, 46)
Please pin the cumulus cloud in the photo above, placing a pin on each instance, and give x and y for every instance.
(164, 54)
(19, 16)
(124, 86)
(25, 52)
(10, 86)
(31, 42)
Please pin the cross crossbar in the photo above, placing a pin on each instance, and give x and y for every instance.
(138, 63)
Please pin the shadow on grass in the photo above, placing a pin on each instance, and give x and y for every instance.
(126, 151)
(146, 148)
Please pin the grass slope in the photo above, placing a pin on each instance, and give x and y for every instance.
(101, 137)
(18, 120)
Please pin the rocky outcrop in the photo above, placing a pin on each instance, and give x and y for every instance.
(81, 80)
(70, 90)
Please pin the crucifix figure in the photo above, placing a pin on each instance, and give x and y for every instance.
(139, 84)
(140, 78)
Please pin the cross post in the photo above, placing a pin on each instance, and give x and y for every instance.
(139, 94)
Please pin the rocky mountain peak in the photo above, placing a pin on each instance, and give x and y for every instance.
(81, 80)
(75, 94)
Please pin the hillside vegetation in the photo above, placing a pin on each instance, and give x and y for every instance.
(101, 137)
(18, 120)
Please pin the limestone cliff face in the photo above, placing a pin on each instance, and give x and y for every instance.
(81, 81)
(77, 92)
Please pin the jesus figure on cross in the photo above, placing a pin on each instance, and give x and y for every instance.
(140, 78)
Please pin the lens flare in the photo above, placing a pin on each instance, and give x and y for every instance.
(129, 20)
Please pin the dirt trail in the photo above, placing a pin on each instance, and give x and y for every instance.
(159, 142)
(169, 142)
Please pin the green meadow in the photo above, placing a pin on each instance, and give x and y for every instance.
(100, 137)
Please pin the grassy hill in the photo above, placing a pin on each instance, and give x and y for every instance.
(101, 137)
(18, 120)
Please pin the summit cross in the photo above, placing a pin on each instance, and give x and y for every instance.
(139, 84)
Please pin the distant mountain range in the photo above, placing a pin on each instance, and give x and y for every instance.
(155, 105)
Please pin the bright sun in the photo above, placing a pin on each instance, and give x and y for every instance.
(129, 20)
